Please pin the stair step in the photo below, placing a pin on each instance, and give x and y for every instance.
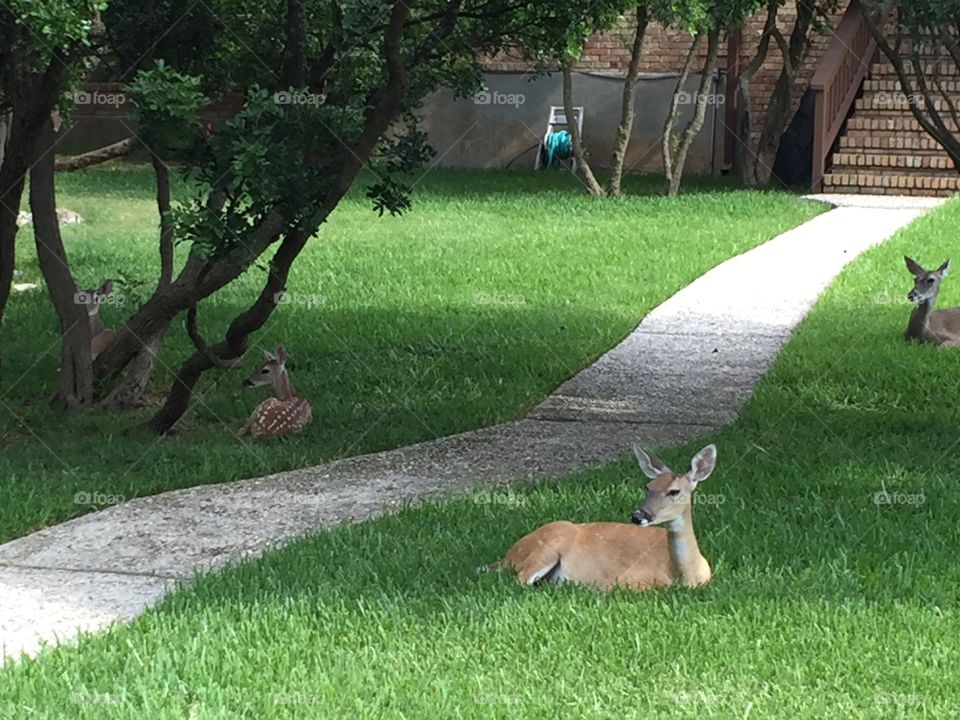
(899, 102)
(872, 120)
(884, 70)
(914, 143)
(909, 163)
(887, 184)
(892, 85)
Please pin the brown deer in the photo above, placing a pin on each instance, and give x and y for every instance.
(100, 337)
(286, 412)
(605, 555)
(940, 327)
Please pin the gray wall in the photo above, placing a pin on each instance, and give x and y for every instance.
(490, 134)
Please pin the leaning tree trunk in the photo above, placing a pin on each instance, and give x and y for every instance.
(95, 157)
(75, 381)
(667, 145)
(781, 101)
(744, 153)
(389, 100)
(693, 128)
(13, 168)
(589, 179)
(622, 140)
(135, 376)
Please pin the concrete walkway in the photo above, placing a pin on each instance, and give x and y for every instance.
(686, 370)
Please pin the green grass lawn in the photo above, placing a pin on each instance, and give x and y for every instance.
(465, 312)
(825, 602)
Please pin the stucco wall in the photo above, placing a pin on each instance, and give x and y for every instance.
(505, 124)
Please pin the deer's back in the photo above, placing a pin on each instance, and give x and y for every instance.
(602, 555)
(945, 324)
(274, 417)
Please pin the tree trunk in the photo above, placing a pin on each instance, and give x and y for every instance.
(699, 115)
(780, 105)
(589, 179)
(95, 157)
(667, 148)
(75, 382)
(135, 377)
(744, 154)
(389, 101)
(12, 171)
(622, 140)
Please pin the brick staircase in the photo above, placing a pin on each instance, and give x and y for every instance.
(884, 150)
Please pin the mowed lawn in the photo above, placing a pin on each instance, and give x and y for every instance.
(832, 529)
(465, 312)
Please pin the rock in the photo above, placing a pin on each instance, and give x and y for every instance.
(64, 217)
(68, 217)
(24, 287)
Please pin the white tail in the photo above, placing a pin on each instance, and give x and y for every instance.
(100, 337)
(286, 412)
(637, 556)
(940, 327)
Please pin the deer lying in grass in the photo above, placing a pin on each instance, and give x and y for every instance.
(100, 337)
(940, 327)
(605, 555)
(286, 412)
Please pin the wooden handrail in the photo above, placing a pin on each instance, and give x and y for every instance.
(836, 83)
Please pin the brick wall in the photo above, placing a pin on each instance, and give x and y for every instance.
(666, 48)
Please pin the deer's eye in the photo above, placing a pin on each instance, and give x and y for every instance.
(929, 281)
(265, 371)
(673, 493)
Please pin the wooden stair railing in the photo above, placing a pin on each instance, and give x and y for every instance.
(836, 83)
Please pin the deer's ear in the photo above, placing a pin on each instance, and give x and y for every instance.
(281, 354)
(913, 266)
(652, 466)
(943, 268)
(703, 463)
(267, 355)
(106, 288)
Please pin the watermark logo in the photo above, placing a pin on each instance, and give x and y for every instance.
(506, 498)
(293, 97)
(309, 300)
(498, 298)
(90, 297)
(492, 97)
(886, 297)
(898, 699)
(84, 97)
(688, 98)
(96, 499)
(295, 698)
(91, 697)
(885, 497)
(898, 99)
(496, 699)
(696, 697)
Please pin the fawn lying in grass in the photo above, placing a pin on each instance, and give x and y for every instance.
(286, 412)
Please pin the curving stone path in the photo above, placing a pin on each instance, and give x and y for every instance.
(684, 371)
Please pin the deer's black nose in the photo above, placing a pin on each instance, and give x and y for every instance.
(641, 517)
(248, 383)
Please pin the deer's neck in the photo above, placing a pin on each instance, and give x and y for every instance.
(282, 387)
(96, 324)
(917, 328)
(689, 564)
